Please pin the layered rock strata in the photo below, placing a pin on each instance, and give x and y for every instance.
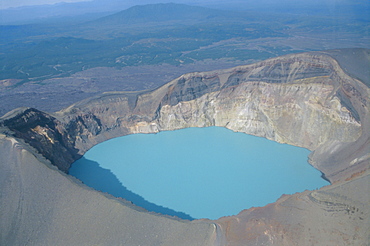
(305, 100)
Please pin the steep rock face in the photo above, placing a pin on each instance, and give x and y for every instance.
(305, 100)
(294, 114)
(46, 134)
(99, 119)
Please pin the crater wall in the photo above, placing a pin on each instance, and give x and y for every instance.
(304, 99)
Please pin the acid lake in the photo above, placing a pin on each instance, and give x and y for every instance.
(197, 173)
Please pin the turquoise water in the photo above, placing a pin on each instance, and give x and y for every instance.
(197, 172)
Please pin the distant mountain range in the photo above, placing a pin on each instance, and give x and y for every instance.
(168, 14)
(160, 13)
(89, 10)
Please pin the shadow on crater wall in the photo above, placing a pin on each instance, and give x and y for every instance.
(91, 174)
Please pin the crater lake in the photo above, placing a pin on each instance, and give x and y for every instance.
(197, 173)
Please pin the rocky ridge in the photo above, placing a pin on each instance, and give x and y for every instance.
(304, 99)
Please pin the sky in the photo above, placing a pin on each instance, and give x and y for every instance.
(19, 3)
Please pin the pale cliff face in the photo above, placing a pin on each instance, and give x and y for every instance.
(305, 100)
(289, 113)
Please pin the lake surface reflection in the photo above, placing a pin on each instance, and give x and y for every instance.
(197, 173)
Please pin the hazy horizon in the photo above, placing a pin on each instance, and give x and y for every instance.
(6, 4)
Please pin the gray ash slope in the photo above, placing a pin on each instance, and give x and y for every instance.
(304, 99)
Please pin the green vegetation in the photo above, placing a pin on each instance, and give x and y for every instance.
(65, 55)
